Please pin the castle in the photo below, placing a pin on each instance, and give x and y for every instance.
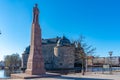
(58, 53)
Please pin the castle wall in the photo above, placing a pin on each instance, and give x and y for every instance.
(48, 53)
(63, 57)
(24, 60)
(54, 57)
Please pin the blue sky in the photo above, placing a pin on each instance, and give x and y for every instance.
(97, 20)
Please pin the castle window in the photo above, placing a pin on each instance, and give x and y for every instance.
(61, 64)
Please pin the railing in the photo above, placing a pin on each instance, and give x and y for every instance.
(100, 69)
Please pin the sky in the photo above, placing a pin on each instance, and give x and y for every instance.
(97, 20)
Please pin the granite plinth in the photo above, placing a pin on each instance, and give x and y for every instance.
(28, 76)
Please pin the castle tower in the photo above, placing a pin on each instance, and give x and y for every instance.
(63, 54)
(35, 64)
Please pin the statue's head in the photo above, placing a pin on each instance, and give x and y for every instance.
(36, 5)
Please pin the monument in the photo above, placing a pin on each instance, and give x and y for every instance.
(35, 64)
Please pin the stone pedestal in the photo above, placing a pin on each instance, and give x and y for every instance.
(35, 64)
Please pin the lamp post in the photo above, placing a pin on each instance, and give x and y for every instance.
(0, 33)
(110, 53)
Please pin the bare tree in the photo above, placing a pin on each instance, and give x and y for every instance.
(88, 49)
(82, 51)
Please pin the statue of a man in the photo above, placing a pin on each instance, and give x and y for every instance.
(35, 13)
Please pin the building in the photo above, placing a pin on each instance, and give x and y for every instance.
(90, 60)
(99, 60)
(114, 60)
(57, 53)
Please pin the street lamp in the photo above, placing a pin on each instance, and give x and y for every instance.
(0, 33)
(110, 53)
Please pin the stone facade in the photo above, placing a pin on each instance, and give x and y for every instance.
(64, 57)
(25, 57)
(48, 54)
(51, 47)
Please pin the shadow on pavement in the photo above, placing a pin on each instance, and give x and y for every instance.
(77, 78)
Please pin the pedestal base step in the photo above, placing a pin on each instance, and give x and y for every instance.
(27, 76)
